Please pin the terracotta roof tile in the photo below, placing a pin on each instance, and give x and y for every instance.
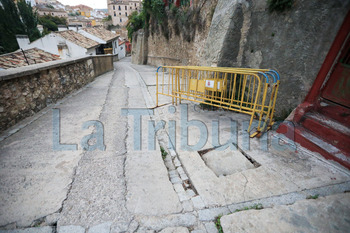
(34, 56)
(78, 39)
(101, 33)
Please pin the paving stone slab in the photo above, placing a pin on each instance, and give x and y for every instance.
(211, 227)
(198, 202)
(179, 188)
(175, 230)
(212, 214)
(133, 226)
(183, 196)
(70, 229)
(226, 162)
(187, 206)
(119, 227)
(149, 190)
(45, 229)
(325, 214)
(101, 228)
(159, 223)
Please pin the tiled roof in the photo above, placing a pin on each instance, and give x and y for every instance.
(78, 39)
(41, 7)
(82, 7)
(101, 33)
(34, 56)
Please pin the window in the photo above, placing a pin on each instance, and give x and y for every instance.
(113, 7)
(130, 8)
(120, 13)
(126, 14)
(119, 8)
(126, 7)
(135, 4)
(115, 14)
(136, 8)
(120, 19)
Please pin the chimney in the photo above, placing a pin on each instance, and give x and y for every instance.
(40, 28)
(23, 41)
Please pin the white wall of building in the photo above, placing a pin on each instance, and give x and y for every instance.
(23, 41)
(121, 51)
(49, 43)
(91, 51)
(100, 41)
(74, 27)
(74, 50)
(115, 46)
(60, 29)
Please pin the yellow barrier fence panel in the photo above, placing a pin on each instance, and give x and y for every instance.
(244, 90)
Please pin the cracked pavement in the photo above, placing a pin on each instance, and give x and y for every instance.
(123, 189)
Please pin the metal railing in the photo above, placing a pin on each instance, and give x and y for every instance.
(249, 91)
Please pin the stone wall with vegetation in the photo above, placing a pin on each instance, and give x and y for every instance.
(292, 38)
(26, 90)
(178, 39)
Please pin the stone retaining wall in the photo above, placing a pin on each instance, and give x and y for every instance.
(26, 90)
(245, 34)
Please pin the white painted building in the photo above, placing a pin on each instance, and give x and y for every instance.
(105, 38)
(121, 49)
(66, 44)
(75, 27)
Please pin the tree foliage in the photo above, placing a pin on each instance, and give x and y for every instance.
(29, 19)
(108, 18)
(136, 22)
(142, 19)
(16, 19)
(50, 23)
(21, 19)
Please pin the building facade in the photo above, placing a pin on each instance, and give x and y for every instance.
(53, 12)
(66, 44)
(119, 10)
(83, 10)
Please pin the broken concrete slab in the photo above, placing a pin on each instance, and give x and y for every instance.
(149, 190)
(101, 228)
(175, 220)
(70, 229)
(212, 214)
(175, 230)
(45, 229)
(226, 162)
(325, 214)
(97, 194)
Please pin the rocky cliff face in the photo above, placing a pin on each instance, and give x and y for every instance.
(294, 43)
(242, 33)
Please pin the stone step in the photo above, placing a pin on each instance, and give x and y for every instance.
(328, 129)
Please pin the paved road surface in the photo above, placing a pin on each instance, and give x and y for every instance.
(122, 189)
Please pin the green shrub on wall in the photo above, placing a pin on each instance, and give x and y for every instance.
(279, 5)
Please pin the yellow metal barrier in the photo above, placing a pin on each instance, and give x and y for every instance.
(249, 91)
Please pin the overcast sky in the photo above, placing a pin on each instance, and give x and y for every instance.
(99, 4)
